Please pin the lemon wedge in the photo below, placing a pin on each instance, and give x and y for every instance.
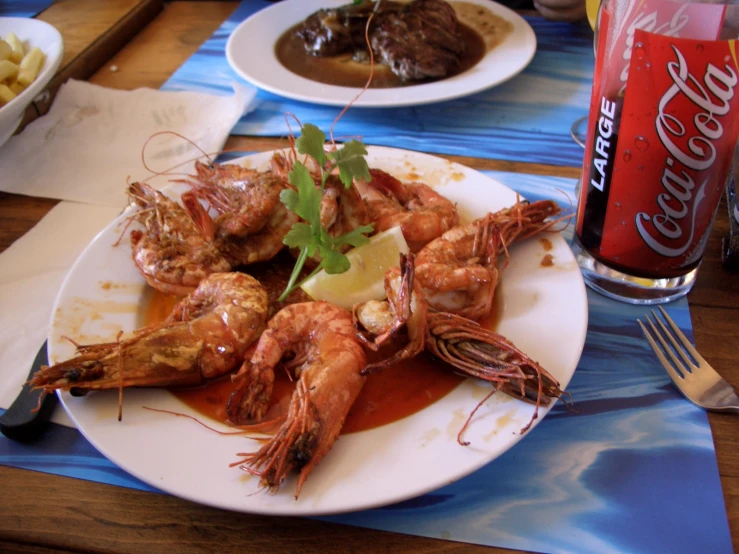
(365, 278)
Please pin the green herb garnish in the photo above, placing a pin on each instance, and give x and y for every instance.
(305, 201)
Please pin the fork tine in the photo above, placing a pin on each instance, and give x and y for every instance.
(691, 365)
(676, 378)
(689, 347)
(666, 347)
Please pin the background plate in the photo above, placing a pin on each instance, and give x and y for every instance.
(250, 52)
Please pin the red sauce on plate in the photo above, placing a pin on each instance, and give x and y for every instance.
(388, 395)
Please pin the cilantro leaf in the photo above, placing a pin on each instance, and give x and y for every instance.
(289, 198)
(334, 262)
(355, 237)
(351, 162)
(306, 200)
(311, 142)
(299, 236)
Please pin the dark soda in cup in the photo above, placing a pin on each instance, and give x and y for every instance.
(663, 125)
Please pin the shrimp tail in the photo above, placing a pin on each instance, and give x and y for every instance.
(250, 399)
(255, 380)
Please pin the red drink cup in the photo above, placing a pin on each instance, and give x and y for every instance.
(663, 125)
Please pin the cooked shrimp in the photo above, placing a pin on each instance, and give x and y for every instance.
(342, 209)
(282, 164)
(244, 198)
(261, 246)
(422, 213)
(321, 345)
(458, 271)
(205, 336)
(378, 321)
(173, 252)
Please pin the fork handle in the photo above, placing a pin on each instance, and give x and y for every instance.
(726, 410)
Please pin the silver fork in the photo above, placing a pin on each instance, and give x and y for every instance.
(695, 378)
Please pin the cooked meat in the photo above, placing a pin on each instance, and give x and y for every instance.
(422, 41)
(418, 40)
(331, 32)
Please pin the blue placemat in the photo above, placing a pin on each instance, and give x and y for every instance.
(633, 470)
(525, 119)
(23, 8)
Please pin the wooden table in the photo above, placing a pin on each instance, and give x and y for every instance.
(47, 513)
(107, 27)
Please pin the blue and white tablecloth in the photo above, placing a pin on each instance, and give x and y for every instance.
(525, 119)
(23, 8)
(632, 470)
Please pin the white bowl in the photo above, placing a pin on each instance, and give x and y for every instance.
(33, 33)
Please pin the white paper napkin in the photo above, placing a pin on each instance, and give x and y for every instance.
(31, 272)
(90, 143)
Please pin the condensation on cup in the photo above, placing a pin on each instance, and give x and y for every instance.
(663, 124)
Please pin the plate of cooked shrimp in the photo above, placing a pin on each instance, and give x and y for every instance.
(181, 294)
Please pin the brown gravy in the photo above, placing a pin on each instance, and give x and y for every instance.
(387, 396)
(343, 71)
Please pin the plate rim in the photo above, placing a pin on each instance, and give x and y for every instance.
(377, 98)
(146, 478)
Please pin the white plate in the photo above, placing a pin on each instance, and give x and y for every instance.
(544, 312)
(250, 52)
(34, 33)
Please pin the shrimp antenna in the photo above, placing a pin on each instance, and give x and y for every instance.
(120, 375)
(166, 171)
(369, 79)
(566, 217)
(291, 137)
(243, 429)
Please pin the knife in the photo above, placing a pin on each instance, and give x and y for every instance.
(730, 244)
(22, 422)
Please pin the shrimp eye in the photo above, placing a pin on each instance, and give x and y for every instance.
(78, 392)
(73, 375)
(302, 450)
(302, 458)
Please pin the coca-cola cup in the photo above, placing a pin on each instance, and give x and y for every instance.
(663, 124)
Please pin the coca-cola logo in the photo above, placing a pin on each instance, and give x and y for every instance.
(688, 155)
(649, 22)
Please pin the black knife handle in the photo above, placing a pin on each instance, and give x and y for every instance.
(730, 243)
(22, 422)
